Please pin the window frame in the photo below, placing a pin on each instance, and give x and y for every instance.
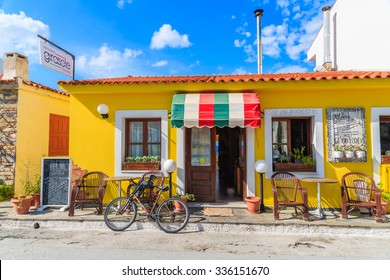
(120, 127)
(145, 142)
(317, 136)
(289, 137)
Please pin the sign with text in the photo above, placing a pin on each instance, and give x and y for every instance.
(56, 59)
(346, 133)
(56, 180)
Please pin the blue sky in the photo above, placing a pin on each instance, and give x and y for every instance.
(112, 38)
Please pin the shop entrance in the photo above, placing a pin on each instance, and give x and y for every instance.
(215, 163)
(230, 149)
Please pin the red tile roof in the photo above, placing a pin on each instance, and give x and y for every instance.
(333, 75)
(30, 83)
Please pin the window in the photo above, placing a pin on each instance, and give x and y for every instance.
(384, 130)
(289, 134)
(143, 137)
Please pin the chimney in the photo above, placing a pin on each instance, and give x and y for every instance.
(15, 66)
(327, 59)
(258, 15)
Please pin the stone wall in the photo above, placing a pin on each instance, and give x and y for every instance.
(8, 129)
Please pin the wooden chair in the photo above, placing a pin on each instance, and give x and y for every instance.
(288, 192)
(358, 190)
(89, 190)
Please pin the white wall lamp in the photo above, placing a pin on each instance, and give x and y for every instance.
(170, 167)
(103, 110)
(261, 167)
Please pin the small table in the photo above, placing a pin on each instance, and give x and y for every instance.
(319, 211)
(119, 179)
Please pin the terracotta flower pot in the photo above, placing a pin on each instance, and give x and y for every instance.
(36, 200)
(21, 205)
(253, 204)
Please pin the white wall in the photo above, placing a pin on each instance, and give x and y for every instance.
(360, 36)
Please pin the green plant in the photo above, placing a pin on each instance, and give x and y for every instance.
(338, 148)
(143, 159)
(360, 148)
(31, 184)
(298, 153)
(348, 148)
(188, 196)
(308, 160)
(6, 192)
(283, 158)
(385, 195)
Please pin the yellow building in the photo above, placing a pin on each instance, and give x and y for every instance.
(34, 123)
(179, 117)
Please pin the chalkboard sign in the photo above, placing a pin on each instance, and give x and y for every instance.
(55, 184)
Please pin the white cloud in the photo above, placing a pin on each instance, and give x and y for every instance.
(108, 63)
(273, 37)
(168, 37)
(160, 63)
(251, 53)
(18, 33)
(240, 71)
(121, 3)
(238, 43)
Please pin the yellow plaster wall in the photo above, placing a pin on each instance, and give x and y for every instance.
(92, 138)
(32, 140)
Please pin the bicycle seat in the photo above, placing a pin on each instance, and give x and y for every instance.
(163, 188)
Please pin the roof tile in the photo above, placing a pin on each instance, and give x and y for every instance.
(337, 75)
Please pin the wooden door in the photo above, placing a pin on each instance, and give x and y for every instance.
(201, 163)
(59, 135)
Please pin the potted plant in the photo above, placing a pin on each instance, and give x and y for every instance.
(360, 151)
(185, 197)
(302, 162)
(349, 153)
(142, 163)
(385, 199)
(21, 203)
(32, 187)
(338, 151)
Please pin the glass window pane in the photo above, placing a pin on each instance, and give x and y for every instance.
(279, 132)
(136, 151)
(154, 132)
(154, 150)
(136, 132)
(200, 146)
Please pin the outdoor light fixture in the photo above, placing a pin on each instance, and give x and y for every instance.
(170, 167)
(103, 110)
(261, 167)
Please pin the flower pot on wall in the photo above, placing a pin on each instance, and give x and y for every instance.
(338, 154)
(141, 166)
(360, 154)
(253, 204)
(349, 154)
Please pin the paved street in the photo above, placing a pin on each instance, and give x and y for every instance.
(95, 244)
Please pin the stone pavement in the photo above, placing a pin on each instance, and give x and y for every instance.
(234, 218)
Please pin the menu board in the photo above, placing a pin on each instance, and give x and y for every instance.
(56, 178)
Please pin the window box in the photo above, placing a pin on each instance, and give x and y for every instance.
(294, 167)
(141, 166)
(385, 159)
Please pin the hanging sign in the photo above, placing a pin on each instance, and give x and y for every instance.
(55, 59)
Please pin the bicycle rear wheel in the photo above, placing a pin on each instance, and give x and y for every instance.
(120, 213)
(172, 215)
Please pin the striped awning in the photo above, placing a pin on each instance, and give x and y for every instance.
(215, 109)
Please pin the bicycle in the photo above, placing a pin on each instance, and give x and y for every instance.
(121, 212)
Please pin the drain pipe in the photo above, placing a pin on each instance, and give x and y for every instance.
(327, 59)
(258, 15)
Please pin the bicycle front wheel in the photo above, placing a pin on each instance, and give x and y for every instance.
(120, 213)
(172, 215)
